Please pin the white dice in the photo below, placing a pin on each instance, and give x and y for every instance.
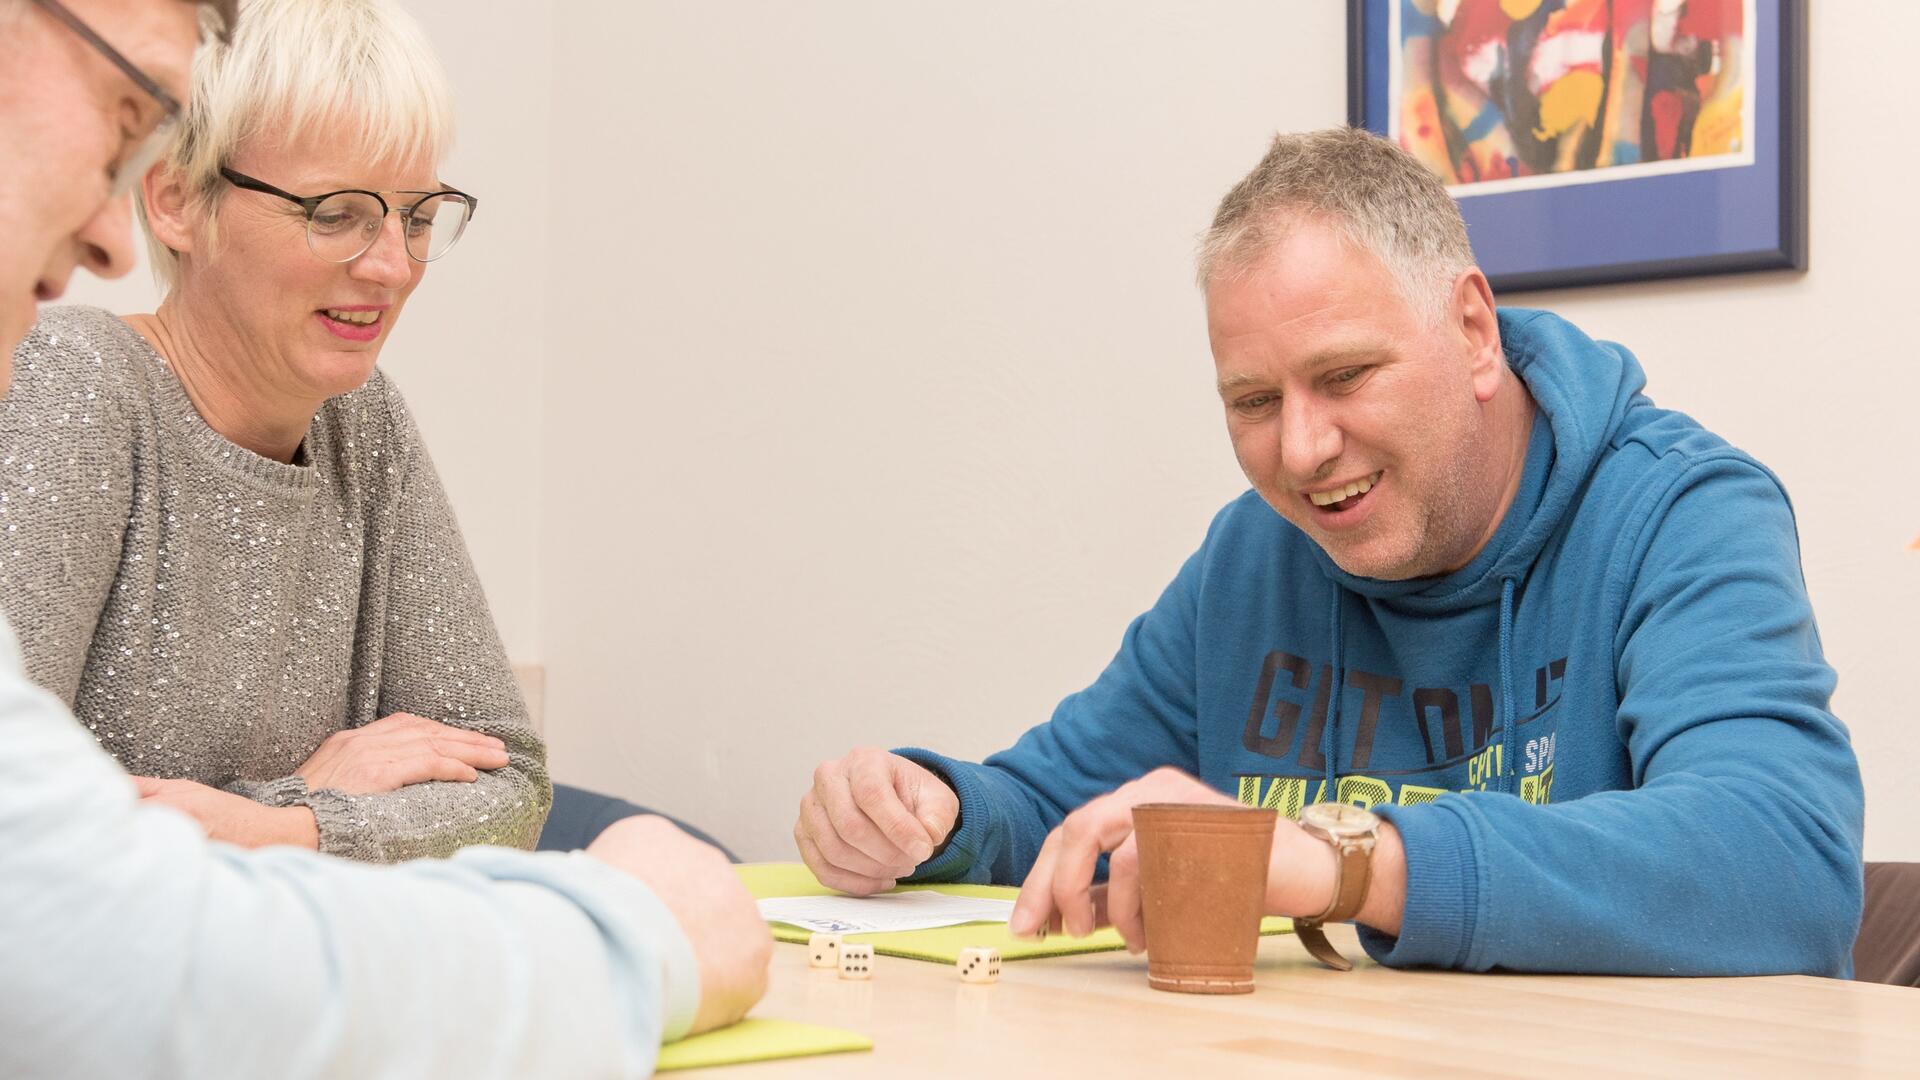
(823, 951)
(856, 961)
(979, 965)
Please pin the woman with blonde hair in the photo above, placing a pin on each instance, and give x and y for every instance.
(226, 545)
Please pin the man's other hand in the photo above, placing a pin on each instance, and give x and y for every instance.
(870, 818)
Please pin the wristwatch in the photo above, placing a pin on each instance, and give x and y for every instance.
(1352, 832)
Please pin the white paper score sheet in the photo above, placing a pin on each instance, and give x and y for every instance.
(922, 910)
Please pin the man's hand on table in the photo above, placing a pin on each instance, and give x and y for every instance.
(870, 818)
(230, 818)
(1059, 892)
(714, 909)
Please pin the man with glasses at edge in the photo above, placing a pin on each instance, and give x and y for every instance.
(132, 945)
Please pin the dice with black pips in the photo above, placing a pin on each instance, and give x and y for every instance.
(823, 951)
(979, 965)
(856, 961)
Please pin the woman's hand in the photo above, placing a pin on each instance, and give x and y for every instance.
(230, 818)
(399, 750)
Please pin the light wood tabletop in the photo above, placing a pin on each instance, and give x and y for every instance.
(1093, 1016)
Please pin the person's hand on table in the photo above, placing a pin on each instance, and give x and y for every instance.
(714, 909)
(399, 750)
(230, 818)
(870, 818)
(1059, 892)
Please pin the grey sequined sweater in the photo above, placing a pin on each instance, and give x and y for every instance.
(213, 615)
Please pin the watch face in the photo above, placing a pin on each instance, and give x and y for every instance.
(1340, 819)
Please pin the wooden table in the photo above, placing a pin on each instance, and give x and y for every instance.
(1093, 1016)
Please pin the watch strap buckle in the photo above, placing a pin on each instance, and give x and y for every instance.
(1318, 946)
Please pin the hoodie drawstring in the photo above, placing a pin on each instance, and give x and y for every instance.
(1509, 716)
(1330, 790)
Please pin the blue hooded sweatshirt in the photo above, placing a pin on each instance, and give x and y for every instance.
(1605, 741)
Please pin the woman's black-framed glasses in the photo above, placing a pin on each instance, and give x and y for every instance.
(342, 225)
(142, 151)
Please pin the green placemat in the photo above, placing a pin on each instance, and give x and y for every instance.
(757, 1040)
(942, 944)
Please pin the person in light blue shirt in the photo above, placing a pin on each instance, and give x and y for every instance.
(131, 945)
(1555, 637)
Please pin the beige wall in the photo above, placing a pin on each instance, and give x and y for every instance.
(898, 403)
(873, 397)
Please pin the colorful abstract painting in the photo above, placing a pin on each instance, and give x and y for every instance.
(1499, 95)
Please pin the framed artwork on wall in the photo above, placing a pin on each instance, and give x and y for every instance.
(1594, 141)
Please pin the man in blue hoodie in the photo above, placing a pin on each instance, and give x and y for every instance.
(1556, 639)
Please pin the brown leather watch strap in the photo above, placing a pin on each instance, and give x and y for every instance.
(1355, 873)
(1319, 947)
(1352, 874)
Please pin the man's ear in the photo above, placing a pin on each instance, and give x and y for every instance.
(1472, 311)
(163, 197)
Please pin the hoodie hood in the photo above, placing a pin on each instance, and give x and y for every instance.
(1583, 389)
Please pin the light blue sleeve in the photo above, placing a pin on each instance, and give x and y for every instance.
(1140, 714)
(1738, 851)
(132, 946)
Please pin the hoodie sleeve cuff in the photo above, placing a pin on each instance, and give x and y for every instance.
(1443, 894)
(956, 860)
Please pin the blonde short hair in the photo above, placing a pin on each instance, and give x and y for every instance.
(293, 65)
(1380, 198)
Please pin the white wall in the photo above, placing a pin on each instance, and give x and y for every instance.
(896, 403)
(873, 395)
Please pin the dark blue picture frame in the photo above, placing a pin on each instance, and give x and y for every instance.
(1718, 221)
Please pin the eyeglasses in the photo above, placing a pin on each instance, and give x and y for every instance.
(342, 225)
(143, 151)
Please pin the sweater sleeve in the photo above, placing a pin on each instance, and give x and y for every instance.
(66, 491)
(135, 947)
(1010, 802)
(439, 657)
(1738, 850)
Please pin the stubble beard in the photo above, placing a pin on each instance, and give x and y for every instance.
(1434, 538)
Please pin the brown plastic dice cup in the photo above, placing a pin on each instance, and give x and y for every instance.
(1203, 884)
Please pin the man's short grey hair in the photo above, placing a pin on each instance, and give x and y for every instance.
(1377, 195)
(360, 66)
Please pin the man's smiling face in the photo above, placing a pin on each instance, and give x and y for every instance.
(1354, 416)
